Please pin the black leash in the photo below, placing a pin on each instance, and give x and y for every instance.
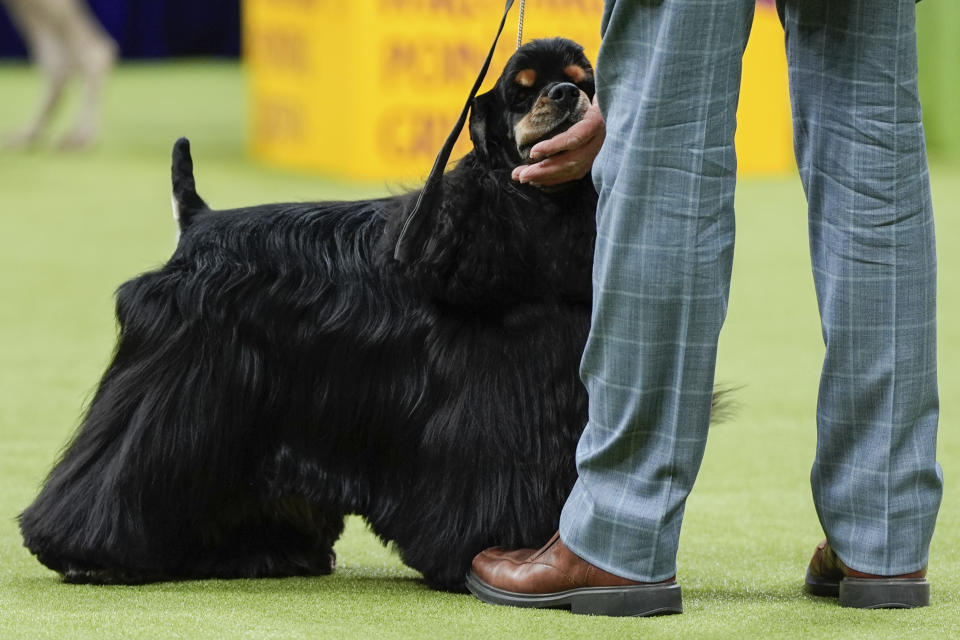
(402, 252)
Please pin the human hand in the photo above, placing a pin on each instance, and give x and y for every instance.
(566, 156)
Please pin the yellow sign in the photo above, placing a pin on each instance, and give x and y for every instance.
(764, 126)
(369, 89)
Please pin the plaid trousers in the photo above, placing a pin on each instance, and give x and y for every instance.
(668, 80)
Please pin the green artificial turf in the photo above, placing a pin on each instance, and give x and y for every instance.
(74, 226)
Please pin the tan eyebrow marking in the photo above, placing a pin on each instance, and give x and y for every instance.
(526, 77)
(576, 73)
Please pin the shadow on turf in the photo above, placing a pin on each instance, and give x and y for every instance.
(359, 582)
(354, 581)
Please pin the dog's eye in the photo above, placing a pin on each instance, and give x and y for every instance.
(520, 98)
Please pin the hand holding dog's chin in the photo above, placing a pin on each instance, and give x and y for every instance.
(568, 155)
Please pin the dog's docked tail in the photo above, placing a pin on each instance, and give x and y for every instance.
(186, 202)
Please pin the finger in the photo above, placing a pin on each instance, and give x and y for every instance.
(570, 165)
(565, 170)
(577, 135)
(554, 171)
(570, 139)
(526, 173)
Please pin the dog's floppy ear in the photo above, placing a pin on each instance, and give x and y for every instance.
(481, 114)
(408, 239)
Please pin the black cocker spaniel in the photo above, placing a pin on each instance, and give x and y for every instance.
(285, 369)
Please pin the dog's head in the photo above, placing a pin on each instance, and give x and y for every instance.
(475, 238)
(546, 86)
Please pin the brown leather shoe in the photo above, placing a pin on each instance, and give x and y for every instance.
(828, 576)
(555, 577)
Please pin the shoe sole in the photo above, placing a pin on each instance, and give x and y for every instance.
(635, 601)
(878, 593)
(872, 593)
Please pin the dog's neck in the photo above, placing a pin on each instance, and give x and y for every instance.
(482, 242)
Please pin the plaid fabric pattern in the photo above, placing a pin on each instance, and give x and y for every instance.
(668, 77)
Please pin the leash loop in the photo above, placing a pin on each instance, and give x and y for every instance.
(402, 251)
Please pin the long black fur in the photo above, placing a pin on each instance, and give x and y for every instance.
(283, 370)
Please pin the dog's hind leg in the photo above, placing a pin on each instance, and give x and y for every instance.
(155, 455)
(165, 478)
(109, 512)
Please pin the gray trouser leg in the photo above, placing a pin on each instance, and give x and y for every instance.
(668, 80)
(860, 149)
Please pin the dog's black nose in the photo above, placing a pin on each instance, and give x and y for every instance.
(564, 94)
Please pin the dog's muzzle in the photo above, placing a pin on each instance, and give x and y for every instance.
(557, 110)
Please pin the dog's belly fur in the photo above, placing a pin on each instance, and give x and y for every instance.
(262, 389)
